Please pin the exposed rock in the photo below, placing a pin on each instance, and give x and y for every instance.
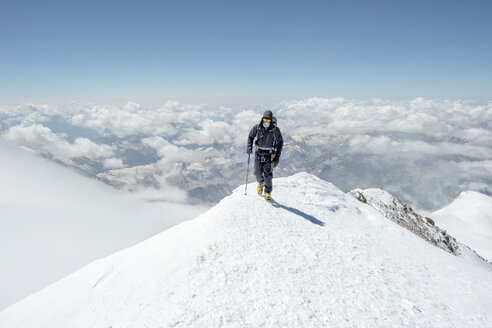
(429, 220)
(362, 198)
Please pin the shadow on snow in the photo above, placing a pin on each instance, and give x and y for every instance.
(308, 217)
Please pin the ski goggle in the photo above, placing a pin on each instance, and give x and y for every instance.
(267, 120)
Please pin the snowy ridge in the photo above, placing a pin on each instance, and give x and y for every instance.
(315, 257)
(399, 212)
(469, 218)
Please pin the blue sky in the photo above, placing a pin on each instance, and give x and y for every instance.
(285, 49)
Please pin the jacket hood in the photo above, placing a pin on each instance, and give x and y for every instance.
(268, 114)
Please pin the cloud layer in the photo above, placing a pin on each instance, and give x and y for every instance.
(54, 221)
(415, 148)
(42, 139)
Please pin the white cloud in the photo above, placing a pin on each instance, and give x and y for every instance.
(208, 132)
(169, 153)
(168, 120)
(372, 145)
(164, 194)
(384, 145)
(113, 163)
(126, 121)
(41, 138)
(478, 170)
(427, 117)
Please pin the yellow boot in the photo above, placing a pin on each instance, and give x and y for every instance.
(268, 197)
(259, 189)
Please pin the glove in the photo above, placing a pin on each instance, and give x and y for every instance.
(249, 150)
(275, 161)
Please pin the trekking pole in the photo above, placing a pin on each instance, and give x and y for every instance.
(247, 174)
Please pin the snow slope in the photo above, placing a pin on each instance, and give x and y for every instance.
(397, 211)
(315, 257)
(469, 218)
(54, 221)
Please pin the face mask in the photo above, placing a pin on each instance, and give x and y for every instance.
(266, 125)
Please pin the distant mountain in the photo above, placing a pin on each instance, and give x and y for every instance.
(314, 257)
(469, 218)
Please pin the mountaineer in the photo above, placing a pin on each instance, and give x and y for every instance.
(269, 142)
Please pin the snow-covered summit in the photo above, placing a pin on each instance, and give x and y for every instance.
(314, 257)
(469, 218)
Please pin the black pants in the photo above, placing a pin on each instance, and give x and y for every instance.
(263, 170)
